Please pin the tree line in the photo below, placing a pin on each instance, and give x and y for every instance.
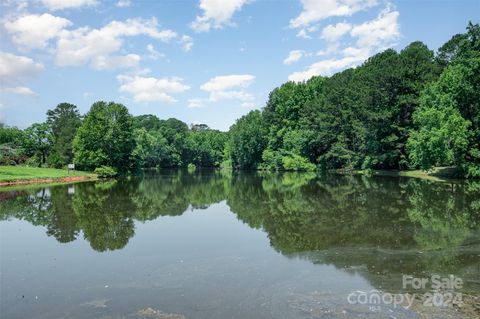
(108, 136)
(398, 110)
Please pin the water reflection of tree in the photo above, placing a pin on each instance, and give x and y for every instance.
(171, 194)
(106, 211)
(320, 213)
(39, 208)
(105, 214)
(443, 213)
(380, 225)
(64, 223)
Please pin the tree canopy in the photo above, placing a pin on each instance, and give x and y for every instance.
(105, 137)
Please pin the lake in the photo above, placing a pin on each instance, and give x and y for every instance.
(212, 244)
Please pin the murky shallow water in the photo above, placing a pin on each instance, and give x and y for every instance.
(216, 245)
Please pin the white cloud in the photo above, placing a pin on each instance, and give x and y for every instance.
(335, 32)
(123, 3)
(229, 87)
(113, 62)
(357, 52)
(102, 48)
(149, 89)
(14, 69)
(316, 10)
(17, 5)
(67, 4)
(332, 47)
(216, 14)
(294, 56)
(305, 32)
(326, 67)
(187, 43)
(378, 32)
(195, 103)
(371, 37)
(21, 90)
(220, 83)
(34, 30)
(248, 105)
(143, 71)
(15, 66)
(154, 54)
(85, 45)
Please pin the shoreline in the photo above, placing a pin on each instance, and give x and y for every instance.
(47, 180)
(438, 174)
(25, 175)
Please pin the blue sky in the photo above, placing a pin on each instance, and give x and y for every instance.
(203, 61)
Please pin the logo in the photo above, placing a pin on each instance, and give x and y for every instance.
(442, 292)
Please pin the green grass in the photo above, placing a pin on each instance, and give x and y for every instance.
(17, 173)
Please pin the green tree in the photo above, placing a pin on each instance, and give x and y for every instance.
(149, 122)
(460, 47)
(64, 121)
(442, 137)
(206, 146)
(12, 140)
(11, 135)
(448, 123)
(150, 148)
(176, 133)
(247, 141)
(105, 137)
(39, 141)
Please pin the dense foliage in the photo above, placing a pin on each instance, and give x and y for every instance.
(357, 118)
(105, 171)
(105, 137)
(398, 110)
(411, 109)
(247, 141)
(11, 151)
(171, 143)
(448, 119)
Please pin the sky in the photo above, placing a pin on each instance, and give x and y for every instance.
(201, 61)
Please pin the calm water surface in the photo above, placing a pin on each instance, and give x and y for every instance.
(220, 245)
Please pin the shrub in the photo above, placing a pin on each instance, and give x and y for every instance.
(297, 163)
(471, 170)
(56, 160)
(11, 156)
(272, 160)
(33, 161)
(105, 171)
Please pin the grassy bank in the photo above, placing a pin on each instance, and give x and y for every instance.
(10, 175)
(435, 174)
